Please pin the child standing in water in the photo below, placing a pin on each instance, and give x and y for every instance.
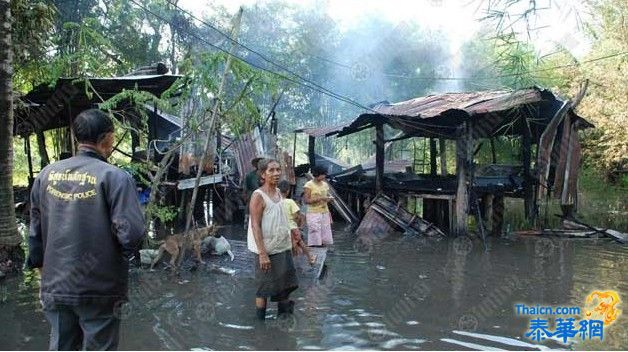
(295, 220)
(318, 217)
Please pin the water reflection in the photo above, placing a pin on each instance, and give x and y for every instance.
(404, 293)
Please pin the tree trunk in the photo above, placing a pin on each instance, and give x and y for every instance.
(11, 254)
(41, 147)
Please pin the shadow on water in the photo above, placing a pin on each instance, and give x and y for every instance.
(405, 293)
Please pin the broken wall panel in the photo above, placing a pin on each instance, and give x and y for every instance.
(385, 217)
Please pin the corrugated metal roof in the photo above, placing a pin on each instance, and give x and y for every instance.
(470, 102)
(440, 115)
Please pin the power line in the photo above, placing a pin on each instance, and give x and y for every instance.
(263, 57)
(313, 85)
(235, 42)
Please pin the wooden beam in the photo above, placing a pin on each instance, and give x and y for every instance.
(311, 143)
(464, 165)
(379, 158)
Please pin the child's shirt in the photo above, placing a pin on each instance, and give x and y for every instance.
(317, 190)
(291, 208)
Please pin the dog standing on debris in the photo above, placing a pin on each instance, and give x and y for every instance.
(174, 243)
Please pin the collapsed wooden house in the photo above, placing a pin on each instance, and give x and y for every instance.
(546, 126)
(55, 107)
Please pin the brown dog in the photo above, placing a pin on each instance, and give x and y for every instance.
(175, 243)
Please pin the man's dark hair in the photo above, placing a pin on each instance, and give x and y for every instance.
(91, 126)
(318, 170)
(255, 161)
(284, 186)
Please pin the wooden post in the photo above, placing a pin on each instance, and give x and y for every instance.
(433, 153)
(528, 182)
(487, 210)
(379, 158)
(442, 149)
(497, 220)
(27, 150)
(311, 142)
(41, 147)
(294, 150)
(493, 153)
(464, 165)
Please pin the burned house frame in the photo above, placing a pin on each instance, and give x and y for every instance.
(546, 126)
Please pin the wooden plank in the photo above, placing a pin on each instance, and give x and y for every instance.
(545, 145)
(569, 194)
(403, 219)
(563, 149)
(188, 183)
(432, 196)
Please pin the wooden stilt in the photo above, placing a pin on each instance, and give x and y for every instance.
(311, 143)
(442, 149)
(464, 165)
(27, 150)
(528, 181)
(433, 153)
(379, 158)
(497, 220)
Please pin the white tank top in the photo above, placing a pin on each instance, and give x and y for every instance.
(275, 228)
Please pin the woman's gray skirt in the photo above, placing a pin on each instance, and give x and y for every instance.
(280, 280)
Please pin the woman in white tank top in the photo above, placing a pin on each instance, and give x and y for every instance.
(269, 239)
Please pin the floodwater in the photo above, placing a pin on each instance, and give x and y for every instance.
(404, 293)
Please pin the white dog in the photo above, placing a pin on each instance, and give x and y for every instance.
(218, 245)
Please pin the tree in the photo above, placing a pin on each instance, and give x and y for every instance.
(10, 251)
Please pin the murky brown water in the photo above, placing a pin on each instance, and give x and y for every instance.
(405, 293)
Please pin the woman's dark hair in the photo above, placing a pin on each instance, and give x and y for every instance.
(91, 126)
(318, 170)
(262, 166)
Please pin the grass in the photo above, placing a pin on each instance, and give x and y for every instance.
(600, 204)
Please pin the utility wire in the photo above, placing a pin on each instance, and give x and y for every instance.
(235, 42)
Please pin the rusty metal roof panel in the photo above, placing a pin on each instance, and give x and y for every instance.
(471, 102)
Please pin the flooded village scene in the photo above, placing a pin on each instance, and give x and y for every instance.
(314, 175)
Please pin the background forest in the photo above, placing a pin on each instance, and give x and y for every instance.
(326, 72)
